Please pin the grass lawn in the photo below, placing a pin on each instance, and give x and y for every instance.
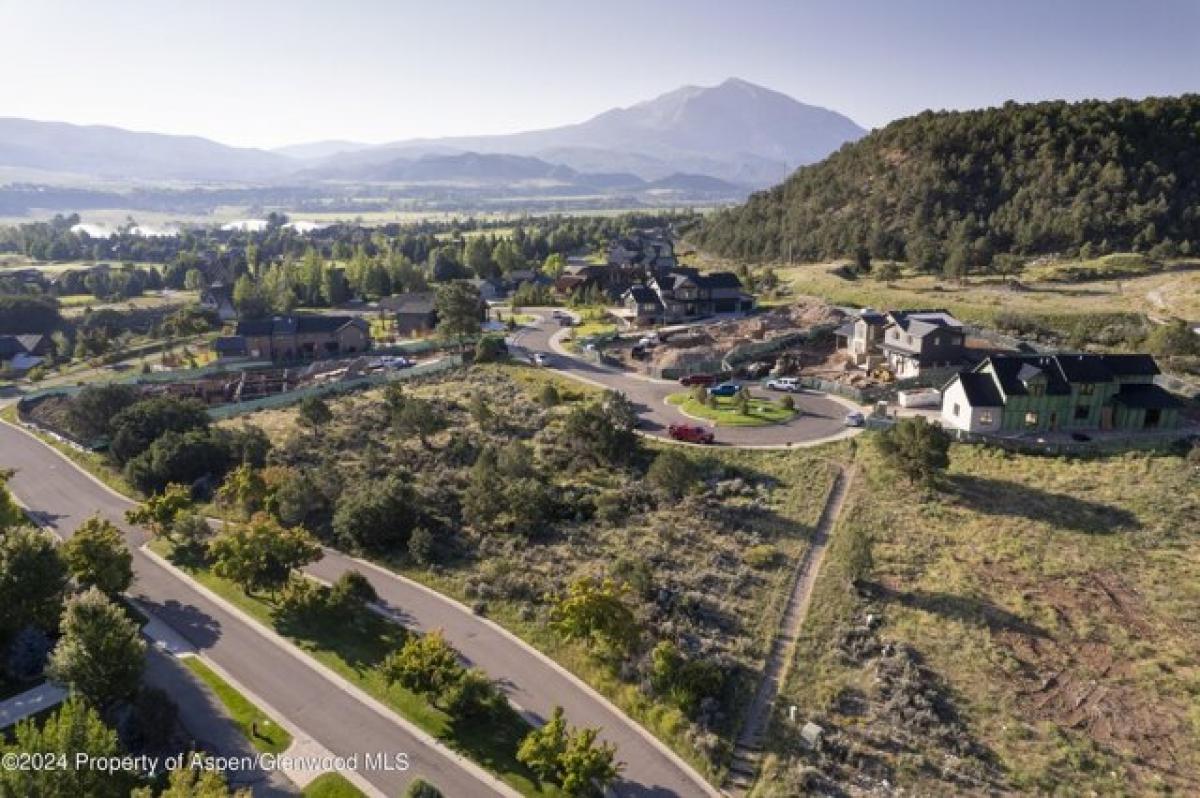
(1055, 603)
(763, 412)
(353, 648)
(271, 737)
(331, 785)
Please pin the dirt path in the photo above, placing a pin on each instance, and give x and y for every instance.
(746, 752)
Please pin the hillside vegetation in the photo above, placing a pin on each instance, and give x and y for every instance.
(1028, 627)
(950, 190)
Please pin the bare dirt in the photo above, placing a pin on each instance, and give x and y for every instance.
(1080, 678)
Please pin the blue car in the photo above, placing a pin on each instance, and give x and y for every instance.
(725, 389)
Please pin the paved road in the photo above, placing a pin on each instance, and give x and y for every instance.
(530, 681)
(822, 417)
(62, 497)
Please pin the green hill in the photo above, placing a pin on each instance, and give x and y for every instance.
(950, 190)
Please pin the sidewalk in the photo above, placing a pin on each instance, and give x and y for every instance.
(30, 702)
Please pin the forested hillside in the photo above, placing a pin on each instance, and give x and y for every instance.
(949, 190)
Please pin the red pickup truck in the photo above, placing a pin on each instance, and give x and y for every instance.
(690, 433)
(697, 379)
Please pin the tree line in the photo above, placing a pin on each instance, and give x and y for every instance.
(951, 191)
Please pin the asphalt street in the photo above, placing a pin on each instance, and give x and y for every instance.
(821, 418)
(62, 497)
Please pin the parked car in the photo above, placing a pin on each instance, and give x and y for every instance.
(697, 379)
(691, 433)
(855, 419)
(647, 343)
(788, 384)
(725, 389)
(538, 359)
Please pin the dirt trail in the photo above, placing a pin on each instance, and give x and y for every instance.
(779, 660)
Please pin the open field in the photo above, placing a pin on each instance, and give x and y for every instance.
(1035, 627)
(78, 304)
(724, 411)
(980, 299)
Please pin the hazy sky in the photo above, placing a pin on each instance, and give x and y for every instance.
(271, 73)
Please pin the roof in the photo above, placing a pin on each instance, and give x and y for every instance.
(845, 331)
(230, 345)
(872, 317)
(292, 325)
(1062, 370)
(413, 302)
(10, 345)
(1084, 368)
(980, 389)
(1132, 365)
(921, 322)
(31, 341)
(644, 295)
(1012, 371)
(1146, 395)
(721, 280)
(1029, 371)
(218, 292)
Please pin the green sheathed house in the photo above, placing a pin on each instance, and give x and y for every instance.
(1043, 393)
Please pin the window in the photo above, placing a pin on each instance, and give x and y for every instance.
(1083, 412)
(985, 416)
(1031, 419)
(1087, 389)
(957, 409)
(1153, 417)
(908, 340)
(937, 341)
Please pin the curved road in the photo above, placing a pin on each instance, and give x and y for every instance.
(821, 420)
(62, 496)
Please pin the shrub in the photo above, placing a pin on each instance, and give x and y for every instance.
(27, 654)
(352, 592)
(420, 788)
(490, 348)
(549, 396)
(787, 403)
(672, 474)
(761, 556)
(314, 412)
(422, 547)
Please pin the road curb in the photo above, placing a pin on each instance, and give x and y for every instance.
(337, 679)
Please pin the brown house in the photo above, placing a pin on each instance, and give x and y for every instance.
(304, 337)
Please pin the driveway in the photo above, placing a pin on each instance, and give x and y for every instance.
(820, 421)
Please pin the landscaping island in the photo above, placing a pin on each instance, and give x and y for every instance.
(724, 411)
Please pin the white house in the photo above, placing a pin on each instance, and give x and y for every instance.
(971, 402)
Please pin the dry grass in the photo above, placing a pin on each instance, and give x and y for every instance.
(696, 586)
(1056, 601)
(980, 299)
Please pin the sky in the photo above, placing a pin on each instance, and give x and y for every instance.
(268, 73)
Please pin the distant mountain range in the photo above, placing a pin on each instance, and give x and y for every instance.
(737, 131)
(721, 140)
